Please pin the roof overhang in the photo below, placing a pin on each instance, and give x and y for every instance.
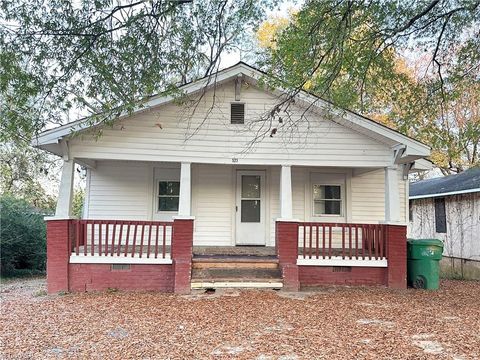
(411, 149)
(459, 192)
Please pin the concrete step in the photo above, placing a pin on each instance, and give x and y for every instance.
(236, 284)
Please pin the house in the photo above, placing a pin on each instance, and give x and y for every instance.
(448, 208)
(179, 197)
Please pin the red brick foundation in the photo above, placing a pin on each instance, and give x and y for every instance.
(182, 246)
(394, 276)
(325, 275)
(58, 254)
(286, 242)
(100, 277)
(62, 276)
(397, 256)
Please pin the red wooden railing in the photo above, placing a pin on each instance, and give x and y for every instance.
(121, 238)
(318, 240)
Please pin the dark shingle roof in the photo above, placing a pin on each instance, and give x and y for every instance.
(467, 180)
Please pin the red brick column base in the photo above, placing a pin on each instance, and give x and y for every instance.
(58, 254)
(286, 242)
(182, 246)
(397, 256)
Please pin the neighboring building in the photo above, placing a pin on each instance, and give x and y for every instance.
(448, 208)
(176, 199)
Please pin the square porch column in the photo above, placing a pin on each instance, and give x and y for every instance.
(185, 198)
(286, 233)
(59, 229)
(182, 236)
(396, 232)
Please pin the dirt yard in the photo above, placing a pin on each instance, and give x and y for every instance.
(328, 323)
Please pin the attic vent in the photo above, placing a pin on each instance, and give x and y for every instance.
(237, 113)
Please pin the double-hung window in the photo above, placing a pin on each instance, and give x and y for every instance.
(168, 195)
(327, 200)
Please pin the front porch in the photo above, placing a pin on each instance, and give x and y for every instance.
(208, 214)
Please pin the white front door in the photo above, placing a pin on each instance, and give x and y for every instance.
(250, 208)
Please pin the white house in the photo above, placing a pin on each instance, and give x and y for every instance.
(335, 185)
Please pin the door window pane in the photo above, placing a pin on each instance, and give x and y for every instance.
(250, 211)
(250, 186)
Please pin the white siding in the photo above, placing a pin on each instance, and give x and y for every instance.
(213, 205)
(368, 197)
(463, 224)
(165, 134)
(119, 190)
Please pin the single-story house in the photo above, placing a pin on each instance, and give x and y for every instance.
(179, 196)
(448, 208)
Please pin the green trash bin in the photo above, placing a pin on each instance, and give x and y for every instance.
(423, 263)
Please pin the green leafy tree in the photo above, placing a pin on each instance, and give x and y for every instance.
(352, 53)
(104, 57)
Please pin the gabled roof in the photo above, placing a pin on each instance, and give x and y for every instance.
(463, 183)
(413, 149)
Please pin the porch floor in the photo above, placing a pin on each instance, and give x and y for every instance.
(201, 251)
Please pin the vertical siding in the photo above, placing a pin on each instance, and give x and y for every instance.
(462, 238)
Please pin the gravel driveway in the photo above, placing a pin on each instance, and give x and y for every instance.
(328, 323)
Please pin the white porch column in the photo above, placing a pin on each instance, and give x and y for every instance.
(184, 203)
(286, 211)
(65, 194)
(392, 197)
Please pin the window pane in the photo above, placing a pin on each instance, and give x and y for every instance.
(168, 203)
(250, 186)
(440, 216)
(327, 207)
(326, 192)
(250, 210)
(169, 188)
(332, 192)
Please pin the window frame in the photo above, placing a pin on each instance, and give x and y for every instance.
(341, 200)
(157, 206)
(440, 226)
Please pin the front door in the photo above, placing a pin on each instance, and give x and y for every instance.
(250, 208)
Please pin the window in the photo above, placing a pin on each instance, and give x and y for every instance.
(440, 216)
(410, 210)
(168, 195)
(237, 113)
(327, 200)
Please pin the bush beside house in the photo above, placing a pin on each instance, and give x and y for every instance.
(23, 238)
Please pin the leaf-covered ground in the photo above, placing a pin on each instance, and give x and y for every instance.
(328, 323)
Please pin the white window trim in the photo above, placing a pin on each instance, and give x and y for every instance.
(324, 176)
(162, 174)
(244, 113)
(341, 200)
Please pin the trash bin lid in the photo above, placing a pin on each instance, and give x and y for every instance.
(425, 242)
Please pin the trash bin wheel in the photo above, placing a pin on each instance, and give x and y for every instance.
(419, 283)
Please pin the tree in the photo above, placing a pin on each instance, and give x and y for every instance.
(23, 172)
(105, 57)
(354, 53)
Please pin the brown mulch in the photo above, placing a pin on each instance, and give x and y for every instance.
(327, 323)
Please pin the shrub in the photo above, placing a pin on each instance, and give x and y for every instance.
(22, 238)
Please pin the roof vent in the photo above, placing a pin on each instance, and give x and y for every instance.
(237, 113)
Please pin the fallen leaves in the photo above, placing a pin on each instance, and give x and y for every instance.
(326, 323)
